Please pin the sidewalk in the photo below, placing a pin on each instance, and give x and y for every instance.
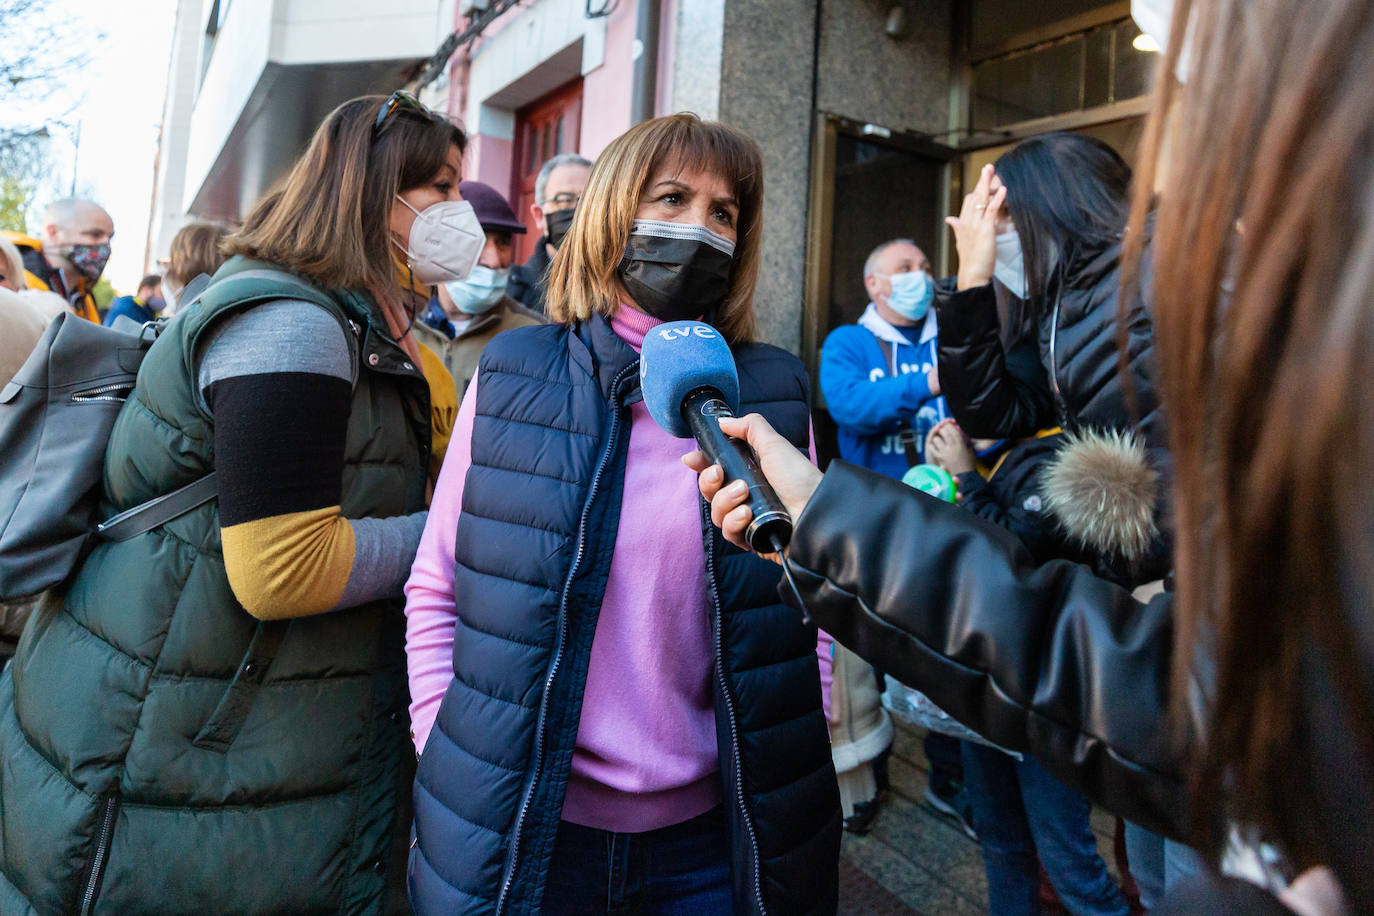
(914, 862)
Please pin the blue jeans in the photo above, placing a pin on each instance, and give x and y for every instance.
(1157, 864)
(1020, 810)
(946, 763)
(682, 870)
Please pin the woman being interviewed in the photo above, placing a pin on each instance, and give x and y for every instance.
(614, 710)
(212, 713)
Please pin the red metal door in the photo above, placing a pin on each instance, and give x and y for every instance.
(543, 129)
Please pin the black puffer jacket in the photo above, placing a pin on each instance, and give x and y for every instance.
(1076, 327)
(526, 282)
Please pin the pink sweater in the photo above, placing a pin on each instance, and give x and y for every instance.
(646, 742)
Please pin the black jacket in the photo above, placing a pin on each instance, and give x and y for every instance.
(1045, 659)
(1018, 496)
(1011, 498)
(1055, 662)
(526, 282)
(1076, 331)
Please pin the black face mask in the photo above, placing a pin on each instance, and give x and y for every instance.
(556, 225)
(676, 271)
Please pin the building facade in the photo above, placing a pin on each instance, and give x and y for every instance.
(250, 80)
(872, 114)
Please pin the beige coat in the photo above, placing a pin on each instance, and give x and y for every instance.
(21, 324)
(860, 729)
(460, 354)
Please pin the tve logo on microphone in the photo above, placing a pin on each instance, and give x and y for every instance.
(678, 330)
(673, 333)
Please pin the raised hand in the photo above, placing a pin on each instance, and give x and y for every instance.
(975, 230)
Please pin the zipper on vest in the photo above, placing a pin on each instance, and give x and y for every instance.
(108, 809)
(513, 857)
(1061, 407)
(118, 393)
(730, 713)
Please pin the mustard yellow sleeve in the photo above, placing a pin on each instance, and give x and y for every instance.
(290, 565)
(443, 407)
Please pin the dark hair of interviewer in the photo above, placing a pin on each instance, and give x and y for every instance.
(1069, 196)
(1267, 189)
(328, 218)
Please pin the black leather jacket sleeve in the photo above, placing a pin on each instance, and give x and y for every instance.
(989, 398)
(1047, 660)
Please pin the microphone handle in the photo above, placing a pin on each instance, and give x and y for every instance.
(771, 527)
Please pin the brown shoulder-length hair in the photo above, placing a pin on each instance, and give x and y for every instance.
(583, 279)
(195, 250)
(1264, 329)
(328, 218)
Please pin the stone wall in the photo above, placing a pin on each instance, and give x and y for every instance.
(774, 75)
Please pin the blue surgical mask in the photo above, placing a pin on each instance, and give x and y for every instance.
(911, 294)
(481, 290)
(1010, 267)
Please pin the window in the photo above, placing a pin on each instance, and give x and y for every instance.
(219, 12)
(1084, 70)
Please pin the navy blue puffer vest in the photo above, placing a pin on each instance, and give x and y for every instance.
(540, 511)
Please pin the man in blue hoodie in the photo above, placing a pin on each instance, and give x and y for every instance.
(879, 376)
(883, 392)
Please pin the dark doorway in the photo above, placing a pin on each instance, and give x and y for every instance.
(881, 193)
(870, 188)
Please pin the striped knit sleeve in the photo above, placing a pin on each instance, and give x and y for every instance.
(277, 381)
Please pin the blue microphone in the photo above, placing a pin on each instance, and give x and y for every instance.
(689, 381)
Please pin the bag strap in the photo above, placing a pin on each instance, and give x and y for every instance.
(162, 509)
(905, 434)
(158, 511)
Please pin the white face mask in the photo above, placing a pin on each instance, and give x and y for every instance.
(1010, 267)
(445, 241)
(170, 298)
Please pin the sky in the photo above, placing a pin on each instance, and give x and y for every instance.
(119, 94)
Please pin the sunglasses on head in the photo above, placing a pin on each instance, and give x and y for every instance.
(400, 100)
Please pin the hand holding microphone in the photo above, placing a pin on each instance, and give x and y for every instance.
(793, 477)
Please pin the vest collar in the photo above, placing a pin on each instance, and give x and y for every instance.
(599, 352)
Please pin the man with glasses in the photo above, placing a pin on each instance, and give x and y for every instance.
(557, 189)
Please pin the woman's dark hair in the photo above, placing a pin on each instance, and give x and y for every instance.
(1263, 255)
(1069, 196)
(328, 219)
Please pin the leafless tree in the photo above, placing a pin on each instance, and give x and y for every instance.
(42, 51)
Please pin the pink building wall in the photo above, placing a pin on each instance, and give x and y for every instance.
(606, 91)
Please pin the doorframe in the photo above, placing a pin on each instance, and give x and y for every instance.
(821, 217)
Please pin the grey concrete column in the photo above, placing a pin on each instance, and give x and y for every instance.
(766, 83)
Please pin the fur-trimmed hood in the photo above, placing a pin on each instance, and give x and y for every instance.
(1101, 488)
